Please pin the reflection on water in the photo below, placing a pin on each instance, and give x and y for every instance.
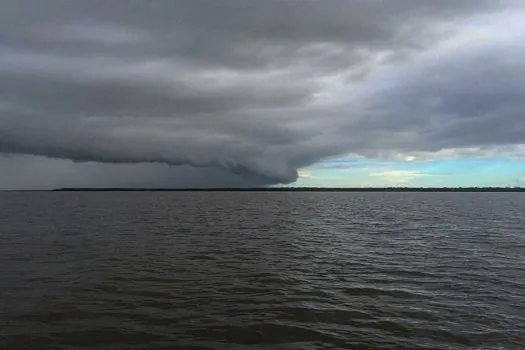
(262, 270)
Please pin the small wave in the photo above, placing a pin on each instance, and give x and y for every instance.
(377, 292)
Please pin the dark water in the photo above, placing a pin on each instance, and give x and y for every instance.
(262, 271)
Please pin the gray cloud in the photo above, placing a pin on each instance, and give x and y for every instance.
(469, 97)
(18, 172)
(257, 89)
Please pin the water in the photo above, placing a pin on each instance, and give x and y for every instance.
(262, 270)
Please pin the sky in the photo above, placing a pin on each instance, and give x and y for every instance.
(244, 93)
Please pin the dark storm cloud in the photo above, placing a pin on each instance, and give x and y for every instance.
(18, 172)
(256, 88)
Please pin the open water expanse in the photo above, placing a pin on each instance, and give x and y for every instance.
(262, 270)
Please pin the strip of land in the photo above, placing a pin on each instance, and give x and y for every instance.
(302, 189)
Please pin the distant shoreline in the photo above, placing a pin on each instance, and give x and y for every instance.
(290, 189)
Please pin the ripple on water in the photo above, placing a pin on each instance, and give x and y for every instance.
(264, 270)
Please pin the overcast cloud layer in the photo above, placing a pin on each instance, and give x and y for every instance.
(246, 92)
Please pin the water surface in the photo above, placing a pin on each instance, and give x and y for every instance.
(88, 270)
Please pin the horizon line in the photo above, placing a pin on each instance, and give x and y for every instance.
(282, 189)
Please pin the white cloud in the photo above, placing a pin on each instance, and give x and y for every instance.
(400, 176)
(304, 174)
(507, 151)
